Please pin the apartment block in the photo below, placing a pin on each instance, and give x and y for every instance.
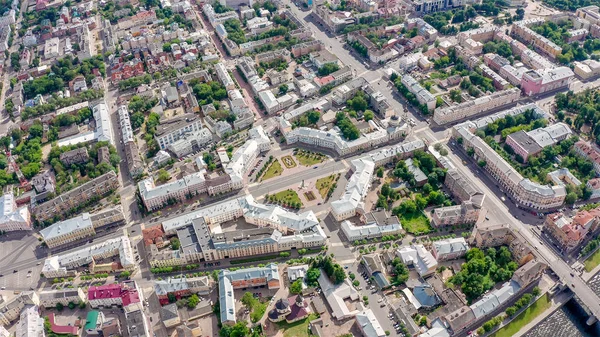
(531, 143)
(524, 192)
(243, 278)
(423, 95)
(80, 195)
(522, 31)
(50, 298)
(30, 324)
(63, 265)
(445, 115)
(155, 197)
(11, 310)
(171, 130)
(181, 287)
(536, 82)
(590, 152)
(122, 294)
(449, 249)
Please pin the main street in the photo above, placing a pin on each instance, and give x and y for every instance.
(507, 212)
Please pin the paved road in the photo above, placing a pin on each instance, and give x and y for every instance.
(505, 212)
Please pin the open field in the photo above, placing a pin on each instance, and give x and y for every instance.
(416, 223)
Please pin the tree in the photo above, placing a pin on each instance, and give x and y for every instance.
(511, 311)
(172, 298)
(59, 306)
(328, 69)
(193, 301)
(368, 115)
(312, 276)
(380, 172)
(248, 300)
(175, 244)
(163, 176)
(296, 287)
(536, 291)
(71, 305)
(571, 198)
(283, 89)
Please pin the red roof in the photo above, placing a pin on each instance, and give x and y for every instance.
(151, 234)
(106, 291)
(130, 296)
(61, 329)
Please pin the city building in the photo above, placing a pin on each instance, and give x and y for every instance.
(135, 163)
(156, 197)
(368, 231)
(524, 192)
(368, 324)
(121, 294)
(336, 296)
(351, 202)
(11, 217)
(171, 130)
(50, 298)
(531, 143)
(449, 249)
(181, 287)
(94, 256)
(423, 95)
(419, 258)
(243, 278)
(80, 195)
(31, 324)
(454, 113)
(571, 232)
(10, 310)
(590, 152)
(539, 81)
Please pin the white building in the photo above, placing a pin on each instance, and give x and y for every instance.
(31, 324)
(368, 231)
(155, 197)
(68, 231)
(50, 298)
(419, 258)
(224, 76)
(369, 325)
(11, 217)
(63, 265)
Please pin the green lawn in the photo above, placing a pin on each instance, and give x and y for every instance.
(324, 184)
(274, 170)
(297, 329)
(258, 310)
(525, 317)
(416, 223)
(592, 261)
(288, 197)
(309, 158)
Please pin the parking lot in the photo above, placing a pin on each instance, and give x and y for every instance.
(24, 255)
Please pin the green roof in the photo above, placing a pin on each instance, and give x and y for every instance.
(91, 320)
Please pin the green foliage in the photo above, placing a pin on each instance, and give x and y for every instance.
(175, 244)
(327, 69)
(163, 176)
(399, 272)
(312, 276)
(483, 270)
(349, 130)
(135, 82)
(193, 301)
(296, 287)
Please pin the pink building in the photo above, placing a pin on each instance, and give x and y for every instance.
(122, 294)
(543, 80)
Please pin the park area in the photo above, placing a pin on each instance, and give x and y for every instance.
(309, 158)
(324, 185)
(287, 198)
(288, 161)
(415, 223)
(524, 318)
(274, 170)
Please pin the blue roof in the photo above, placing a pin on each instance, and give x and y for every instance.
(381, 280)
